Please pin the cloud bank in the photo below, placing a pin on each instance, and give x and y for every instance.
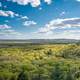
(60, 24)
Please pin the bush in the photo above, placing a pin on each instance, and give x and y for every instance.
(71, 51)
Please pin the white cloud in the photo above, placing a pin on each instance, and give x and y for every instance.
(6, 29)
(72, 31)
(4, 26)
(69, 29)
(7, 32)
(7, 13)
(29, 23)
(69, 34)
(3, 13)
(60, 24)
(11, 32)
(10, 13)
(48, 1)
(24, 17)
(34, 3)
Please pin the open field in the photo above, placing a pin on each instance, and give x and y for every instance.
(40, 62)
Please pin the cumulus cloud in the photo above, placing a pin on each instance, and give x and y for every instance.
(24, 17)
(60, 24)
(29, 23)
(8, 13)
(5, 26)
(48, 1)
(33, 3)
(3, 13)
(68, 28)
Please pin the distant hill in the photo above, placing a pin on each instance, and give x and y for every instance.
(41, 41)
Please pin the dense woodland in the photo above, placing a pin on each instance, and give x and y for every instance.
(40, 62)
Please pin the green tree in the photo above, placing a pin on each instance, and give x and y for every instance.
(49, 52)
(69, 75)
(22, 76)
(57, 73)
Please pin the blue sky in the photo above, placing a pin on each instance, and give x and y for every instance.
(39, 19)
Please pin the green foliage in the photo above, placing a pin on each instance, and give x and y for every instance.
(22, 76)
(57, 73)
(49, 52)
(40, 62)
(71, 51)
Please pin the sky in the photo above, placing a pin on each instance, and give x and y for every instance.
(39, 19)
